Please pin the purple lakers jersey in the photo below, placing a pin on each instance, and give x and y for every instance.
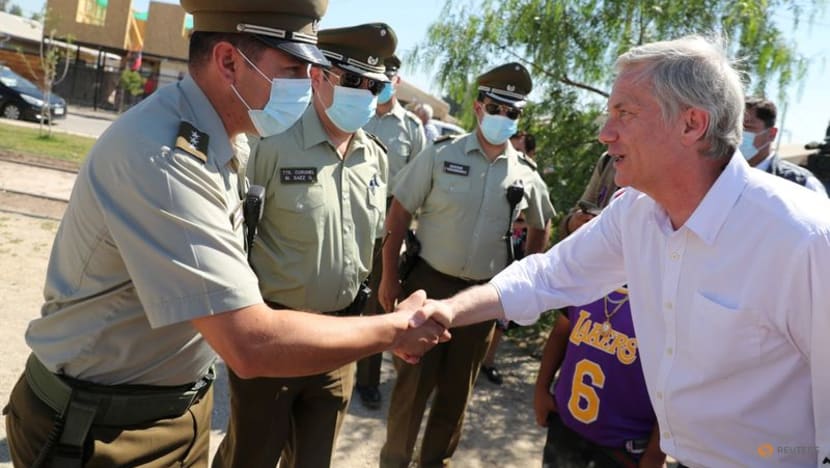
(601, 393)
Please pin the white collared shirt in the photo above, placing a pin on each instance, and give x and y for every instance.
(731, 312)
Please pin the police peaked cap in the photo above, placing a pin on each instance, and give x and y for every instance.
(360, 49)
(288, 25)
(509, 84)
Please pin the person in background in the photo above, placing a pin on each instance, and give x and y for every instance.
(526, 143)
(462, 187)
(403, 134)
(424, 112)
(756, 146)
(607, 425)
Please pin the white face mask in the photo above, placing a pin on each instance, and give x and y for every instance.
(748, 148)
(289, 99)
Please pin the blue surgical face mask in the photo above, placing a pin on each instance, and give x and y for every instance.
(497, 128)
(747, 147)
(386, 93)
(289, 99)
(351, 108)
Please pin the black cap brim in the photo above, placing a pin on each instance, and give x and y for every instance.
(306, 52)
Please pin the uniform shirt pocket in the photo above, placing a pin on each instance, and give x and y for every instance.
(724, 341)
(296, 208)
(401, 149)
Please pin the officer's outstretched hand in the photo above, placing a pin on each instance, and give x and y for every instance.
(422, 334)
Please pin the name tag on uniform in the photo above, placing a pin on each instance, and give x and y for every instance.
(457, 169)
(298, 175)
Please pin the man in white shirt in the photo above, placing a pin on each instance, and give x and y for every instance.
(727, 268)
(756, 146)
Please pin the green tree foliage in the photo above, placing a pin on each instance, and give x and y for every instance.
(16, 10)
(570, 47)
(132, 82)
(54, 65)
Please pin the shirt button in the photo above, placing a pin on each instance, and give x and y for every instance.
(343, 292)
(669, 305)
(659, 395)
(666, 435)
(669, 351)
(299, 206)
(675, 256)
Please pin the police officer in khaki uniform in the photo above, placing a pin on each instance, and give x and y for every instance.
(460, 186)
(403, 134)
(325, 203)
(148, 277)
(597, 195)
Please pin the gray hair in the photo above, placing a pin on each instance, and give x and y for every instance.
(426, 109)
(694, 72)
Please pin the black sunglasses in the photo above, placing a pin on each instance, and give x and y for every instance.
(348, 79)
(510, 112)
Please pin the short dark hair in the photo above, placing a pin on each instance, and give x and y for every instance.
(764, 109)
(202, 43)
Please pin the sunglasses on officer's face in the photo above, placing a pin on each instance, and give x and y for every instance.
(495, 109)
(348, 79)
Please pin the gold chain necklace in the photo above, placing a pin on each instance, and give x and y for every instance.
(606, 325)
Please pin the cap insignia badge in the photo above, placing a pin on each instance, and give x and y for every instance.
(511, 88)
(372, 60)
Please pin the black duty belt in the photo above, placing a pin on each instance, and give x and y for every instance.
(349, 310)
(113, 405)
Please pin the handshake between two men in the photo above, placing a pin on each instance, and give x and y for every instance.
(430, 319)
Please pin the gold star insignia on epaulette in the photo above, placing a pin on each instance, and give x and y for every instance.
(192, 141)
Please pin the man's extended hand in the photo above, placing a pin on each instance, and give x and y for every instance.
(437, 310)
(422, 333)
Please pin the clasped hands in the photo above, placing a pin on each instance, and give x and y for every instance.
(427, 323)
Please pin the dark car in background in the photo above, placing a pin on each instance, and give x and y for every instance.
(20, 99)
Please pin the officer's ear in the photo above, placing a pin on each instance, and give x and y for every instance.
(226, 60)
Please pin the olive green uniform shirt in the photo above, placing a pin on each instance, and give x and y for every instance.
(464, 209)
(152, 238)
(403, 134)
(322, 214)
(599, 191)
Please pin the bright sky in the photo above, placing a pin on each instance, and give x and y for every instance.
(805, 117)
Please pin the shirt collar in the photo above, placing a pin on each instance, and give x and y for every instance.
(764, 165)
(472, 144)
(713, 211)
(204, 117)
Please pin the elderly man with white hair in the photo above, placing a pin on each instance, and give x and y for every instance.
(727, 268)
(424, 111)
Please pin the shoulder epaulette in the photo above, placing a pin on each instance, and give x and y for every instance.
(377, 140)
(445, 138)
(192, 141)
(527, 160)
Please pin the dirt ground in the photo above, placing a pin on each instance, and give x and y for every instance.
(499, 429)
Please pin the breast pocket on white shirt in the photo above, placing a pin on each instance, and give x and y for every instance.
(724, 340)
